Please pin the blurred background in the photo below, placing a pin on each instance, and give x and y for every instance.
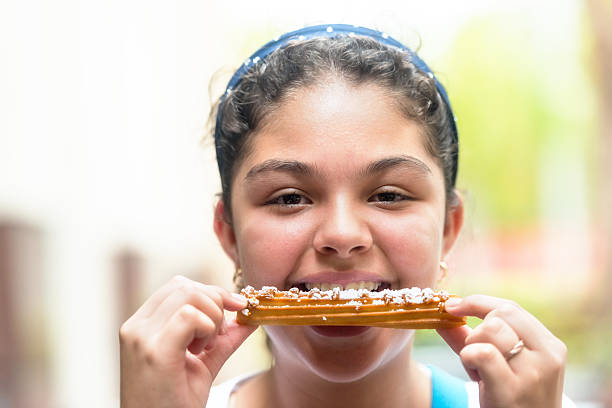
(107, 188)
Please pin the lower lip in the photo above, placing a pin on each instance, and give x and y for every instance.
(340, 331)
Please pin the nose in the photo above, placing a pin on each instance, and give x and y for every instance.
(343, 231)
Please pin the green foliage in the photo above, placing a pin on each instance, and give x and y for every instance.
(516, 101)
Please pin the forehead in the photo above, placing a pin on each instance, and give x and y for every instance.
(335, 121)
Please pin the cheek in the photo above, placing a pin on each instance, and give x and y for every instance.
(412, 244)
(269, 247)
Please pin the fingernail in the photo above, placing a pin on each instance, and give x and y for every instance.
(239, 298)
(452, 302)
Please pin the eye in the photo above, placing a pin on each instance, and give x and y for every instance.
(389, 197)
(289, 199)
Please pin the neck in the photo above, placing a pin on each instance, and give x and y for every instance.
(398, 382)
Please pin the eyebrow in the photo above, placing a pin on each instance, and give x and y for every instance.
(406, 161)
(299, 168)
(273, 165)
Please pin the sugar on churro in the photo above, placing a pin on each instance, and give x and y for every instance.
(409, 308)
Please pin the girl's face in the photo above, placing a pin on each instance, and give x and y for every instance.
(338, 190)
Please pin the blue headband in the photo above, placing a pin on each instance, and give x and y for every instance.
(330, 31)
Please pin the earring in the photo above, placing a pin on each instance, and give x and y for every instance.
(444, 272)
(238, 279)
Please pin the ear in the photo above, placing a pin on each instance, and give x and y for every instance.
(454, 222)
(225, 232)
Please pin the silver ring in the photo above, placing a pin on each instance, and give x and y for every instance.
(518, 347)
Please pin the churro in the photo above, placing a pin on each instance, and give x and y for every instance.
(410, 308)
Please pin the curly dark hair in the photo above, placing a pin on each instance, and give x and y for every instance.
(355, 59)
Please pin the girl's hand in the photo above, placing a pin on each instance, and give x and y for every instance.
(531, 378)
(173, 347)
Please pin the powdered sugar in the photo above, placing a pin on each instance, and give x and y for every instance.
(356, 297)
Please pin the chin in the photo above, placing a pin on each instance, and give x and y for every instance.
(338, 359)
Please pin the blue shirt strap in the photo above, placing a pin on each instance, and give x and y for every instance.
(447, 391)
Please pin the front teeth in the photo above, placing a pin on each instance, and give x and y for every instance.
(323, 286)
(368, 285)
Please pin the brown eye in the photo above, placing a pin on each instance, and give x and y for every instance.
(289, 199)
(388, 196)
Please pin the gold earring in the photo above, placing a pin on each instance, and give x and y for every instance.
(444, 270)
(238, 279)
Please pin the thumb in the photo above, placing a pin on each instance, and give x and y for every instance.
(234, 335)
(455, 337)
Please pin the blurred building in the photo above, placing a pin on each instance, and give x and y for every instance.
(24, 343)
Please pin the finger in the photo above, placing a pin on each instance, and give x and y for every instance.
(197, 345)
(226, 344)
(186, 324)
(491, 367)
(149, 306)
(495, 331)
(231, 301)
(207, 301)
(526, 326)
(455, 337)
(474, 305)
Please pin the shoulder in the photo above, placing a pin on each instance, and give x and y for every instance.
(219, 395)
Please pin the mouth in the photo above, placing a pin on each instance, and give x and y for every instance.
(374, 286)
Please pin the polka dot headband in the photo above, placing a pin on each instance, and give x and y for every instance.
(330, 31)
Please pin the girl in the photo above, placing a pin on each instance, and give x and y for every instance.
(338, 154)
